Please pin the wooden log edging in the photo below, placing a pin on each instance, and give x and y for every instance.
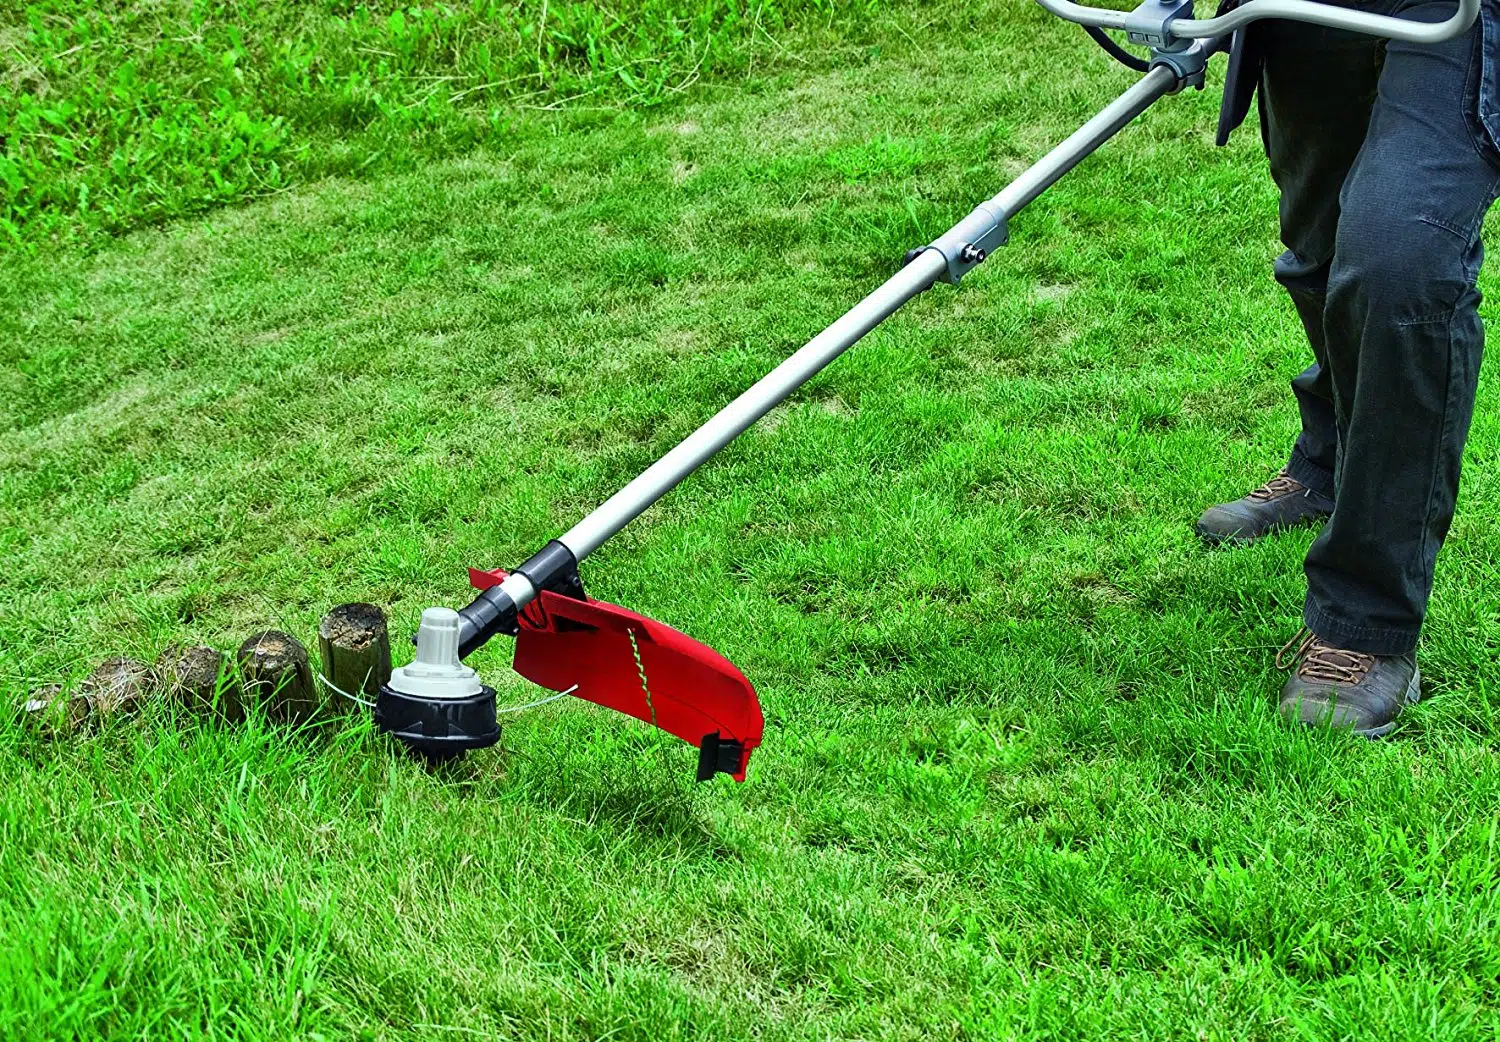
(355, 648)
(54, 712)
(118, 686)
(191, 676)
(275, 675)
(270, 670)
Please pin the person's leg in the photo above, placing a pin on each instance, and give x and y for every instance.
(1317, 89)
(1403, 341)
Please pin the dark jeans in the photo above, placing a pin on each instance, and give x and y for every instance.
(1386, 160)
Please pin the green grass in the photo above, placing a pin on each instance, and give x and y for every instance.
(126, 113)
(1021, 776)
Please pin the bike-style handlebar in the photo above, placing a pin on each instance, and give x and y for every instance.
(1293, 10)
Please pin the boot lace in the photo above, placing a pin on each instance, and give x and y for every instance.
(1281, 485)
(1316, 659)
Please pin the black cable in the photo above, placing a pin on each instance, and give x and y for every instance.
(1115, 51)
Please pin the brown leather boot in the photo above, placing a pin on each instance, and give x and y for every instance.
(1283, 502)
(1332, 687)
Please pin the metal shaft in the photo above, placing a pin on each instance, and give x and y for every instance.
(1077, 146)
(659, 478)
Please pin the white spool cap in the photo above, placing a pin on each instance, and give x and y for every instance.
(436, 672)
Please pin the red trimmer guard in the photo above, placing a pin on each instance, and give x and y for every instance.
(640, 667)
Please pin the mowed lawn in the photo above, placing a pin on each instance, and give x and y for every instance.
(1021, 775)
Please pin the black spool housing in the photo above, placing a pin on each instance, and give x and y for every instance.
(438, 728)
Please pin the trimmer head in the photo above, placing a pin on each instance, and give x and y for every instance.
(571, 643)
(436, 705)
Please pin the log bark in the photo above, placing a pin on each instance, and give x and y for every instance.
(275, 675)
(118, 686)
(354, 644)
(190, 677)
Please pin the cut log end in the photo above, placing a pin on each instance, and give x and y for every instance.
(355, 648)
(353, 626)
(275, 674)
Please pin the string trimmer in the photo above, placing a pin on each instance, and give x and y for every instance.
(569, 642)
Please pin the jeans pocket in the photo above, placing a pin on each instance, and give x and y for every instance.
(1486, 86)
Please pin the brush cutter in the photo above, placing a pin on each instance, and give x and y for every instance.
(569, 642)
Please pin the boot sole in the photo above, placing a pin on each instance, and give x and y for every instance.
(1412, 696)
(1213, 538)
